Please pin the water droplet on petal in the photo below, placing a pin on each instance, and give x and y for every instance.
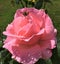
(32, 58)
(13, 56)
(18, 59)
(35, 59)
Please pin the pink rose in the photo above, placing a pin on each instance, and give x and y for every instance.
(30, 36)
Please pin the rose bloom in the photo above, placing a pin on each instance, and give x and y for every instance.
(30, 36)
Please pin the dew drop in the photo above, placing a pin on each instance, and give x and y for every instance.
(32, 58)
(35, 59)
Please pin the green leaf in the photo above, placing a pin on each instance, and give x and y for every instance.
(1, 44)
(49, 1)
(55, 58)
(1, 62)
(48, 61)
(4, 57)
(3, 54)
(41, 61)
(39, 4)
(13, 62)
(17, 1)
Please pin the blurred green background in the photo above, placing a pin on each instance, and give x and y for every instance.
(8, 9)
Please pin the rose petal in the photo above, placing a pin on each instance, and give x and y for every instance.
(19, 12)
(9, 45)
(27, 55)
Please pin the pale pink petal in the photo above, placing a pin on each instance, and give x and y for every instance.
(19, 12)
(9, 45)
(8, 39)
(46, 54)
(48, 25)
(25, 30)
(42, 13)
(48, 44)
(33, 39)
(10, 29)
(37, 22)
(27, 55)
(12, 35)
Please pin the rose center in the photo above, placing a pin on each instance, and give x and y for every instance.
(25, 13)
